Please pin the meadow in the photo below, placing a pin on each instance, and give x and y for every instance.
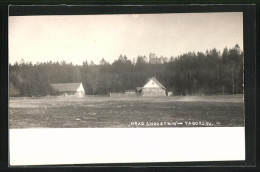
(127, 112)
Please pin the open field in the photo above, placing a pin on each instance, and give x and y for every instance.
(175, 111)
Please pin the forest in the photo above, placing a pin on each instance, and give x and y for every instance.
(200, 73)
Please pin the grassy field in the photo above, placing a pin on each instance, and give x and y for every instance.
(175, 111)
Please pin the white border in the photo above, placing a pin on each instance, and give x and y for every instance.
(125, 145)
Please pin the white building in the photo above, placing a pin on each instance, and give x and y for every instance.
(153, 88)
(69, 89)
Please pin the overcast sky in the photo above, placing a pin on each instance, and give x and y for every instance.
(92, 37)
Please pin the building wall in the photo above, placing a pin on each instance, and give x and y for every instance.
(151, 55)
(80, 91)
(80, 94)
(72, 94)
(67, 94)
(81, 88)
(156, 60)
(153, 92)
(151, 84)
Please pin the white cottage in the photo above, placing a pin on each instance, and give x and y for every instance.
(153, 88)
(69, 89)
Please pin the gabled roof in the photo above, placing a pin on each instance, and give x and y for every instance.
(156, 81)
(64, 87)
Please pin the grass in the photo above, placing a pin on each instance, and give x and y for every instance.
(175, 111)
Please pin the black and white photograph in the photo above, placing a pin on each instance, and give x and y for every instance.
(126, 74)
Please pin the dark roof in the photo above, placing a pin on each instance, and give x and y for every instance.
(64, 87)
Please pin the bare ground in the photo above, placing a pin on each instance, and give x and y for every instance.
(99, 112)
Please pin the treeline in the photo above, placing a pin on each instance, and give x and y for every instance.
(210, 72)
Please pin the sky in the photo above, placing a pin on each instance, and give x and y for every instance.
(76, 38)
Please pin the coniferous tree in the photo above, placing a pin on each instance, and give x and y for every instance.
(191, 73)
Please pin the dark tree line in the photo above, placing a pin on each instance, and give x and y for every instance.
(212, 72)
